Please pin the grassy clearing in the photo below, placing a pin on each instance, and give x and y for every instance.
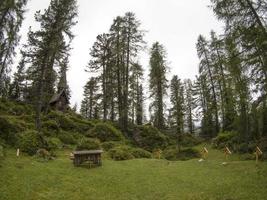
(25, 178)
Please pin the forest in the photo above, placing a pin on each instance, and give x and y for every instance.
(125, 111)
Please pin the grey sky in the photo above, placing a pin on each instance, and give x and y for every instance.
(174, 23)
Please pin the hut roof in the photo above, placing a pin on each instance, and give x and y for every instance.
(57, 96)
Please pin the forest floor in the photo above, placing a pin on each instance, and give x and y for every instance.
(25, 178)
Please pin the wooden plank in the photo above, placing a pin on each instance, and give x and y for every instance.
(87, 152)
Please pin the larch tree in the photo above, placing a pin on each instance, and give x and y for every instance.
(135, 94)
(178, 107)
(18, 86)
(62, 82)
(158, 83)
(101, 55)
(46, 47)
(11, 17)
(206, 70)
(90, 105)
(189, 105)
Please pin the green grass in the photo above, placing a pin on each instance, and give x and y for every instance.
(26, 178)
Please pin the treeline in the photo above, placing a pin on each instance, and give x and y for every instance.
(42, 69)
(232, 80)
(228, 94)
(116, 93)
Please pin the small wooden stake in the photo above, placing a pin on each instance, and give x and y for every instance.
(204, 152)
(258, 152)
(227, 152)
(17, 152)
(158, 153)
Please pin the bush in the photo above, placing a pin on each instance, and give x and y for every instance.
(43, 154)
(226, 138)
(82, 125)
(67, 138)
(1, 152)
(50, 127)
(62, 120)
(242, 148)
(184, 154)
(140, 153)
(18, 110)
(66, 124)
(170, 154)
(105, 132)
(247, 156)
(88, 144)
(149, 138)
(53, 144)
(29, 142)
(109, 145)
(121, 153)
(188, 140)
(3, 107)
(9, 129)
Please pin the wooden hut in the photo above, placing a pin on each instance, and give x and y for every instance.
(59, 101)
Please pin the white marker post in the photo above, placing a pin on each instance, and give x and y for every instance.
(17, 152)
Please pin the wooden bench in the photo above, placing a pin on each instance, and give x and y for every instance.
(93, 156)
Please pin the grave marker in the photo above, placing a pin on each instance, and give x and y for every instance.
(17, 153)
(258, 153)
(227, 152)
(204, 152)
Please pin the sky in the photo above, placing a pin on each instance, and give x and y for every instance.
(174, 23)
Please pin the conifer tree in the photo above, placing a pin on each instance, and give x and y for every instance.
(206, 70)
(189, 105)
(158, 83)
(135, 95)
(11, 17)
(62, 83)
(178, 107)
(18, 87)
(46, 47)
(89, 105)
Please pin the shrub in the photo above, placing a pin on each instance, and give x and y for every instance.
(53, 144)
(226, 138)
(43, 154)
(1, 152)
(184, 154)
(67, 137)
(188, 140)
(81, 124)
(3, 107)
(66, 124)
(9, 129)
(50, 127)
(140, 153)
(170, 154)
(105, 132)
(109, 145)
(29, 142)
(149, 138)
(247, 156)
(62, 119)
(242, 148)
(121, 153)
(18, 110)
(88, 144)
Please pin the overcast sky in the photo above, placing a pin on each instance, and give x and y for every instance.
(174, 23)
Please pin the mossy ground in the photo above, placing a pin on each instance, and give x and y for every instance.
(26, 178)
